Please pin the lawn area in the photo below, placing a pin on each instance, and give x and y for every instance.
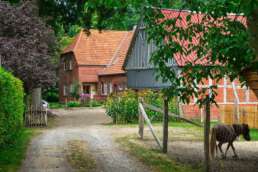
(11, 157)
(188, 128)
(56, 105)
(154, 159)
(254, 134)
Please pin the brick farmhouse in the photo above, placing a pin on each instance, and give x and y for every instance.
(94, 61)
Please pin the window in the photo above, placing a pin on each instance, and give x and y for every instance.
(104, 88)
(65, 90)
(110, 88)
(71, 89)
(68, 65)
(86, 89)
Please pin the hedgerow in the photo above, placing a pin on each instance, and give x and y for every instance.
(11, 107)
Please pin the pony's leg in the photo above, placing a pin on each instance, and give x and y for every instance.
(229, 144)
(216, 149)
(222, 154)
(234, 150)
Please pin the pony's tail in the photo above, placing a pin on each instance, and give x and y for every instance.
(212, 143)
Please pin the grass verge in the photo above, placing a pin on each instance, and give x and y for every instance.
(12, 155)
(254, 134)
(155, 160)
(79, 157)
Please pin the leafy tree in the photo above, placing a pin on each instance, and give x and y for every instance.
(223, 44)
(27, 45)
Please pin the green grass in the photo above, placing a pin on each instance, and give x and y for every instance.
(92, 103)
(254, 134)
(56, 105)
(154, 159)
(12, 155)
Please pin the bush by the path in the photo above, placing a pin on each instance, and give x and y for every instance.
(11, 107)
(123, 106)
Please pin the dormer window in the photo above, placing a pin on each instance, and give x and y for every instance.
(68, 65)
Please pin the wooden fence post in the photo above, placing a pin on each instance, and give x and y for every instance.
(206, 137)
(145, 116)
(165, 126)
(141, 123)
(140, 117)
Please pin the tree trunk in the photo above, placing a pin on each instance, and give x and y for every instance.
(165, 126)
(251, 75)
(206, 137)
(36, 97)
(252, 23)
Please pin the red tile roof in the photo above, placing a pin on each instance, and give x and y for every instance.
(195, 18)
(99, 48)
(116, 62)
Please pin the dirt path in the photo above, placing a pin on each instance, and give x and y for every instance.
(47, 151)
(191, 152)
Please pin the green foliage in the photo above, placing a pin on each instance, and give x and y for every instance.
(12, 155)
(254, 134)
(56, 105)
(11, 109)
(75, 90)
(156, 98)
(51, 94)
(73, 104)
(123, 106)
(92, 103)
(224, 44)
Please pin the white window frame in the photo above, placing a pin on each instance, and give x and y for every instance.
(70, 65)
(65, 90)
(105, 88)
(110, 87)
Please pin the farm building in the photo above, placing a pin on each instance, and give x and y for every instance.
(141, 74)
(95, 62)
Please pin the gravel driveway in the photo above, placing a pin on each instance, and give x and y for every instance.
(46, 152)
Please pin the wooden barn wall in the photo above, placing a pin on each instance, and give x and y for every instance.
(140, 79)
(248, 114)
(140, 71)
(140, 54)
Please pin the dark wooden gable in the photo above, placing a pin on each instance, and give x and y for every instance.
(140, 71)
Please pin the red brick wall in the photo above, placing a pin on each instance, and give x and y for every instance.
(89, 73)
(66, 77)
(246, 98)
(114, 79)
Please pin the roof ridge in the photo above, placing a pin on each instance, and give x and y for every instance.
(114, 57)
(78, 40)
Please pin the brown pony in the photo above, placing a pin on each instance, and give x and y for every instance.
(227, 134)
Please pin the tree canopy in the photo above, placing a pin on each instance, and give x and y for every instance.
(27, 45)
(224, 43)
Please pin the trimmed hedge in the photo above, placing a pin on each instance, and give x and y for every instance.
(11, 107)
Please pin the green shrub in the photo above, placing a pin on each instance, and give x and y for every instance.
(51, 95)
(123, 106)
(156, 98)
(73, 104)
(11, 107)
(56, 105)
